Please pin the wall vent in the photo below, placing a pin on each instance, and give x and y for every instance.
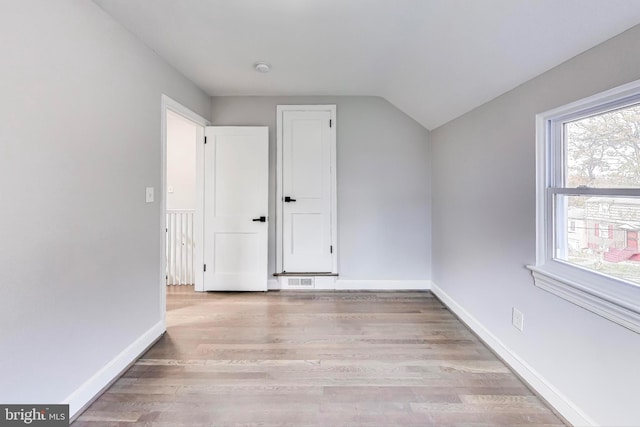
(300, 282)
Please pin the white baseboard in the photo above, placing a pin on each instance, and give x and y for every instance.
(330, 283)
(383, 285)
(570, 411)
(273, 285)
(94, 386)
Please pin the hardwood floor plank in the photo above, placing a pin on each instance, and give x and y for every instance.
(311, 359)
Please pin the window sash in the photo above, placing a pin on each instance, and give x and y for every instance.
(605, 192)
(556, 231)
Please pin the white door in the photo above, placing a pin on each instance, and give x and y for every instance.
(236, 180)
(306, 191)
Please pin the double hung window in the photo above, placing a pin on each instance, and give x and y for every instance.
(588, 204)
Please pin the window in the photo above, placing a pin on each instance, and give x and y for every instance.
(588, 171)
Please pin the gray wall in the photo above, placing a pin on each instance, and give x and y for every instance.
(383, 182)
(484, 235)
(79, 142)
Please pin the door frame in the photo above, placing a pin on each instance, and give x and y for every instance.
(634, 239)
(280, 109)
(169, 104)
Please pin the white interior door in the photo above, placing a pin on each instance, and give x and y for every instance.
(307, 191)
(236, 179)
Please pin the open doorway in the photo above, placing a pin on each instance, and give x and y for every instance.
(182, 198)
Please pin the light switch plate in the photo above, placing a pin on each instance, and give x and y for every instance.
(170, 189)
(149, 195)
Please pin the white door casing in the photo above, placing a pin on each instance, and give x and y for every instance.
(306, 196)
(166, 104)
(236, 188)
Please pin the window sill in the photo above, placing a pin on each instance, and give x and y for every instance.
(619, 309)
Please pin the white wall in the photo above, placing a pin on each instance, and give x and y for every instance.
(484, 235)
(384, 230)
(181, 162)
(80, 141)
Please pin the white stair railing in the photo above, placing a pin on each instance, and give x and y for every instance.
(180, 247)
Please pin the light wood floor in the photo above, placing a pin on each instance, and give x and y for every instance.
(316, 359)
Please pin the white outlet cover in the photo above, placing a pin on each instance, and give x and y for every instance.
(170, 189)
(149, 197)
(517, 319)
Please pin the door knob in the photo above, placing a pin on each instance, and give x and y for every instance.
(261, 219)
(288, 199)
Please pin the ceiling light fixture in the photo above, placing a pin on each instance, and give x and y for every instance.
(262, 67)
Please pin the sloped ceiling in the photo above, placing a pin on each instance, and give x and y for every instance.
(433, 59)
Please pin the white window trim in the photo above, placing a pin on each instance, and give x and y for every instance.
(613, 299)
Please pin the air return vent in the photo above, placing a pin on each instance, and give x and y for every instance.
(300, 282)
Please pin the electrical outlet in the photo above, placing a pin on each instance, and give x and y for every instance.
(517, 319)
(149, 195)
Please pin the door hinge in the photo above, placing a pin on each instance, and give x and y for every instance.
(205, 139)
(205, 267)
(331, 249)
(330, 122)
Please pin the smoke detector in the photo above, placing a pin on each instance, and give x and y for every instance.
(262, 67)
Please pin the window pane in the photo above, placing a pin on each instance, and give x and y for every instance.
(600, 234)
(604, 150)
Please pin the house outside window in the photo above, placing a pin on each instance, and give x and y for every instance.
(588, 204)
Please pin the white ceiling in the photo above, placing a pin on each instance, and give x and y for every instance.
(433, 59)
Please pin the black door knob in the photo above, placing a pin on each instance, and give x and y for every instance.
(261, 219)
(288, 199)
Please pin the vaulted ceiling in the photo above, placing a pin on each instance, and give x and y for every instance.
(433, 59)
